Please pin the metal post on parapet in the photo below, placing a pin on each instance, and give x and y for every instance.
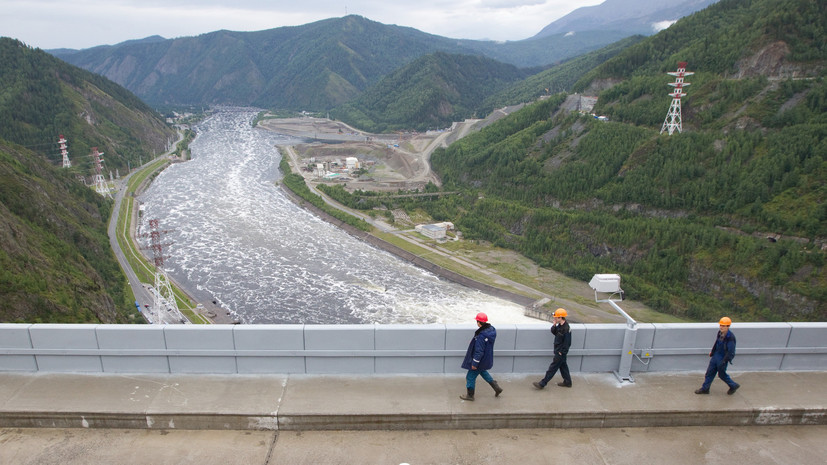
(609, 284)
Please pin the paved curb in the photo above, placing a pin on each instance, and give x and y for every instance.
(394, 422)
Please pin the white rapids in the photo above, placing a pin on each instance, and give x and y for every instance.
(233, 236)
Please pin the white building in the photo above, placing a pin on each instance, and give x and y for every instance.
(352, 163)
(431, 230)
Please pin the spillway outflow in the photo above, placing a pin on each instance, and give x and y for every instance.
(234, 237)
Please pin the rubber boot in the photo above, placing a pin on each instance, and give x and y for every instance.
(497, 389)
(469, 395)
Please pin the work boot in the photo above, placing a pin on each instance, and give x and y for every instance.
(469, 395)
(564, 384)
(497, 389)
(703, 391)
(732, 389)
(538, 385)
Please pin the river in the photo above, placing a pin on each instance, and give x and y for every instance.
(231, 235)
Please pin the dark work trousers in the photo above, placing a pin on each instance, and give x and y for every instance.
(717, 366)
(559, 362)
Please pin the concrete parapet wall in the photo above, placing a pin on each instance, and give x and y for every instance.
(389, 349)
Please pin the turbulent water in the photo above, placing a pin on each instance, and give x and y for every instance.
(234, 237)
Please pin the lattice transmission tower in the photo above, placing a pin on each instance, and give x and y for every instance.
(101, 187)
(673, 121)
(163, 300)
(64, 152)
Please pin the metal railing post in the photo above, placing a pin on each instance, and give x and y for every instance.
(624, 372)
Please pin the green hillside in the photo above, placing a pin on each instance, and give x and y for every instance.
(431, 92)
(43, 97)
(728, 217)
(56, 264)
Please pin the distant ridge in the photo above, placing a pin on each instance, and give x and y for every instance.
(628, 16)
(316, 66)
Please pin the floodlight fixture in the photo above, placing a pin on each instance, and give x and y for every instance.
(610, 284)
(606, 284)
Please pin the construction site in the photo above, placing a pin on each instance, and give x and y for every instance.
(387, 162)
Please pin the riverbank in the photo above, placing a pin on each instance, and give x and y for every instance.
(531, 304)
(199, 310)
(136, 265)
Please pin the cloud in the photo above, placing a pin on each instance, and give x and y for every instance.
(87, 23)
(510, 3)
(661, 25)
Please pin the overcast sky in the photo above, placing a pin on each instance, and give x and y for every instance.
(79, 24)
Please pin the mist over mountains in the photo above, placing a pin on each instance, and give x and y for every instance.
(632, 17)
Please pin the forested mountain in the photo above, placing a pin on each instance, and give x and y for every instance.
(435, 90)
(43, 97)
(324, 64)
(631, 17)
(431, 92)
(727, 217)
(311, 67)
(56, 264)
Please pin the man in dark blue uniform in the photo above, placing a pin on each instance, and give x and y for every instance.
(479, 358)
(562, 342)
(722, 353)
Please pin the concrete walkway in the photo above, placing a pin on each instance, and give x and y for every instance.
(397, 402)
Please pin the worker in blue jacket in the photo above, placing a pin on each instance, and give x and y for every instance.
(479, 358)
(722, 353)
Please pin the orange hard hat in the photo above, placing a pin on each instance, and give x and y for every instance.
(725, 321)
(561, 313)
(482, 317)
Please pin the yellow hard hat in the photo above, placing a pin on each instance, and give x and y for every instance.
(560, 313)
(725, 321)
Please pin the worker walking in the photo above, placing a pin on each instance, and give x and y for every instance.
(479, 358)
(562, 342)
(722, 353)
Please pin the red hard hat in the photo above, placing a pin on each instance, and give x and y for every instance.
(482, 317)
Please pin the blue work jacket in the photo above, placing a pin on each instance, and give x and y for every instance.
(723, 351)
(481, 349)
